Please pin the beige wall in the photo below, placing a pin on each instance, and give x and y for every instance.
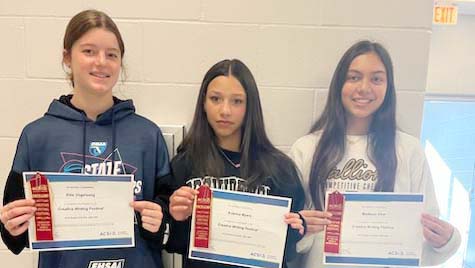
(452, 58)
(292, 47)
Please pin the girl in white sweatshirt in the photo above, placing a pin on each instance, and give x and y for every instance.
(355, 146)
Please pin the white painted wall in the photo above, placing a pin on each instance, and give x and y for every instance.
(452, 58)
(292, 47)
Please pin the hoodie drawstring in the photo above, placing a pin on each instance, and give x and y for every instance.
(84, 146)
(84, 151)
(113, 136)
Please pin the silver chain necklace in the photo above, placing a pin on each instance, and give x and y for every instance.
(238, 165)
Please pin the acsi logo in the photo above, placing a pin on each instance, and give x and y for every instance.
(97, 148)
(107, 264)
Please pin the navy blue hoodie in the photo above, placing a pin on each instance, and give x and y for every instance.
(118, 142)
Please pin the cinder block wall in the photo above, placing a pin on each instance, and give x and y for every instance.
(292, 47)
(451, 60)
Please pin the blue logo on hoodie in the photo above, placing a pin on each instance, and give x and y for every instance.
(97, 148)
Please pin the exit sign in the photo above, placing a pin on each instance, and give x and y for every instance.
(445, 15)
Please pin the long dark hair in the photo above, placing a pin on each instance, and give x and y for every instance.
(259, 158)
(381, 135)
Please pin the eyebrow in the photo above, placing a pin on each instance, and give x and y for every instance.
(375, 72)
(219, 93)
(93, 45)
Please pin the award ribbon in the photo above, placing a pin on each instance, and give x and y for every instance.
(203, 216)
(335, 206)
(43, 218)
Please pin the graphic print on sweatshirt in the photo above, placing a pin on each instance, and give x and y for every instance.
(95, 165)
(107, 264)
(96, 148)
(353, 175)
(228, 183)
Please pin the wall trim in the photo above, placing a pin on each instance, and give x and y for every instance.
(469, 97)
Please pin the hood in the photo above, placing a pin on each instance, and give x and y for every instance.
(63, 109)
(120, 110)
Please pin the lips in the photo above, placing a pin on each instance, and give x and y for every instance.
(224, 123)
(100, 75)
(362, 100)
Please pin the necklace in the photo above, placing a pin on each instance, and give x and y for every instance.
(354, 139)
(238, 165)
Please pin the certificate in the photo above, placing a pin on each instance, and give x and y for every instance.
(245, 229)
(79, 211)
(380, 229)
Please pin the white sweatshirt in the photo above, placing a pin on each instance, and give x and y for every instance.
(356, 173)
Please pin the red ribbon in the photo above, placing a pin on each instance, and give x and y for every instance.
(203, 216)
(43, 218)
(335, 206)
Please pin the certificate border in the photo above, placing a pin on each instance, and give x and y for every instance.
(232, 260)
(90, 243)
(226, 259)
(376, 197)
(58, 177)
(252, 198)
(371, 261)
(86, 243)
(383, 197)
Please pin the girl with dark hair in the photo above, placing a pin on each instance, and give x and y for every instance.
(227, 141)
(61, 141)
(355, 146)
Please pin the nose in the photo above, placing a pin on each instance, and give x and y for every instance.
(225, 108)
(365, 86)
(100, 58)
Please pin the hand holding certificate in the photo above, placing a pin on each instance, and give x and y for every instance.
(381, 229)
(240, 229)
(77, 211)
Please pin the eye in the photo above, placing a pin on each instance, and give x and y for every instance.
(352, 77)
(113, 55)
(237, 101)
(378, 79)
(88, 51)
(214, 98)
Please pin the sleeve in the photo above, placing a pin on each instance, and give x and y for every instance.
(14, 191)
(179, 230)
(162, 173)
(422, 182)
(297, 155)
(293, 236)
(179, 236)
(294, 190)
(162, 193)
